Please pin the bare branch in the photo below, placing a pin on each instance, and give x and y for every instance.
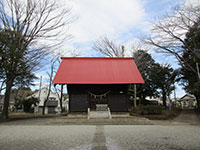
(27, 30)
(168, 34)
(109, 48)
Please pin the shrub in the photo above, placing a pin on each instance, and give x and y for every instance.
(28, 103)
(18, 103)
(147, 110)
(151, 109)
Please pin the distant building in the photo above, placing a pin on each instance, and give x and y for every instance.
(53, 103)
(188, 101)
(11, 103)
(150, 100)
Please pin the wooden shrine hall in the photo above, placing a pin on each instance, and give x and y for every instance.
(95, 81)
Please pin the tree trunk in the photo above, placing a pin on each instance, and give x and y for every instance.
(61, 96)
(48, 94)
(4, 114)
(49, 90)
(43, 110)
(170, 103)
(140, 100)
(164, 99)
(198, 101)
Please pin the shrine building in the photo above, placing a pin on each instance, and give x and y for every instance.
(95, 81)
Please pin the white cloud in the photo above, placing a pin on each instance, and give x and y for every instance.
(193, 2)
(111, 18)
(104, 18)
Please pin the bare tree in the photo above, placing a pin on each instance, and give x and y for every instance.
(51, 75)
(50, 84)
(109, 48)
(36, 20)
(74, 53)
(168, 34)
(29, 30)
(60, 96)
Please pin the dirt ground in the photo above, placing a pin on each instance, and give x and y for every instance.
(188, 116)
(185, 117)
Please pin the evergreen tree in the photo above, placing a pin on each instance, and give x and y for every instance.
(145, 63)
(159, 80)
(191, 55)
(164, 77)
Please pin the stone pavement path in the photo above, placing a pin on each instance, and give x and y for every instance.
(99, 140)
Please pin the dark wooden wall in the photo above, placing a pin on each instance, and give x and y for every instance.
(118, 103)
(78, 103)
(79, 97)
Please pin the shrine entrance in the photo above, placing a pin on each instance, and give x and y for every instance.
(98, 101)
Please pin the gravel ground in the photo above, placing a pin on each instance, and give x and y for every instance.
(126, 133)
(89, 137)
(46, 137)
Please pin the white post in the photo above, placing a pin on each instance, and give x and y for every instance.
(88, 113)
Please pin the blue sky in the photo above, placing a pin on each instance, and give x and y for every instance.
(122, 20)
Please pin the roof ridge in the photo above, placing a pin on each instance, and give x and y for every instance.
(97, 57)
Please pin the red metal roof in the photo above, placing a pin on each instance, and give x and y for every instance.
(97, 70)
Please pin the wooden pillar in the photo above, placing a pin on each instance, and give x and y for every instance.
(61, 96)
(135, 96)
(68, 105)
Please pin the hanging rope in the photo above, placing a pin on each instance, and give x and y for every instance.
(98, 96)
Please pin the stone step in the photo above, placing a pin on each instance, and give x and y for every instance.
(101, 107)
(99, 114)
